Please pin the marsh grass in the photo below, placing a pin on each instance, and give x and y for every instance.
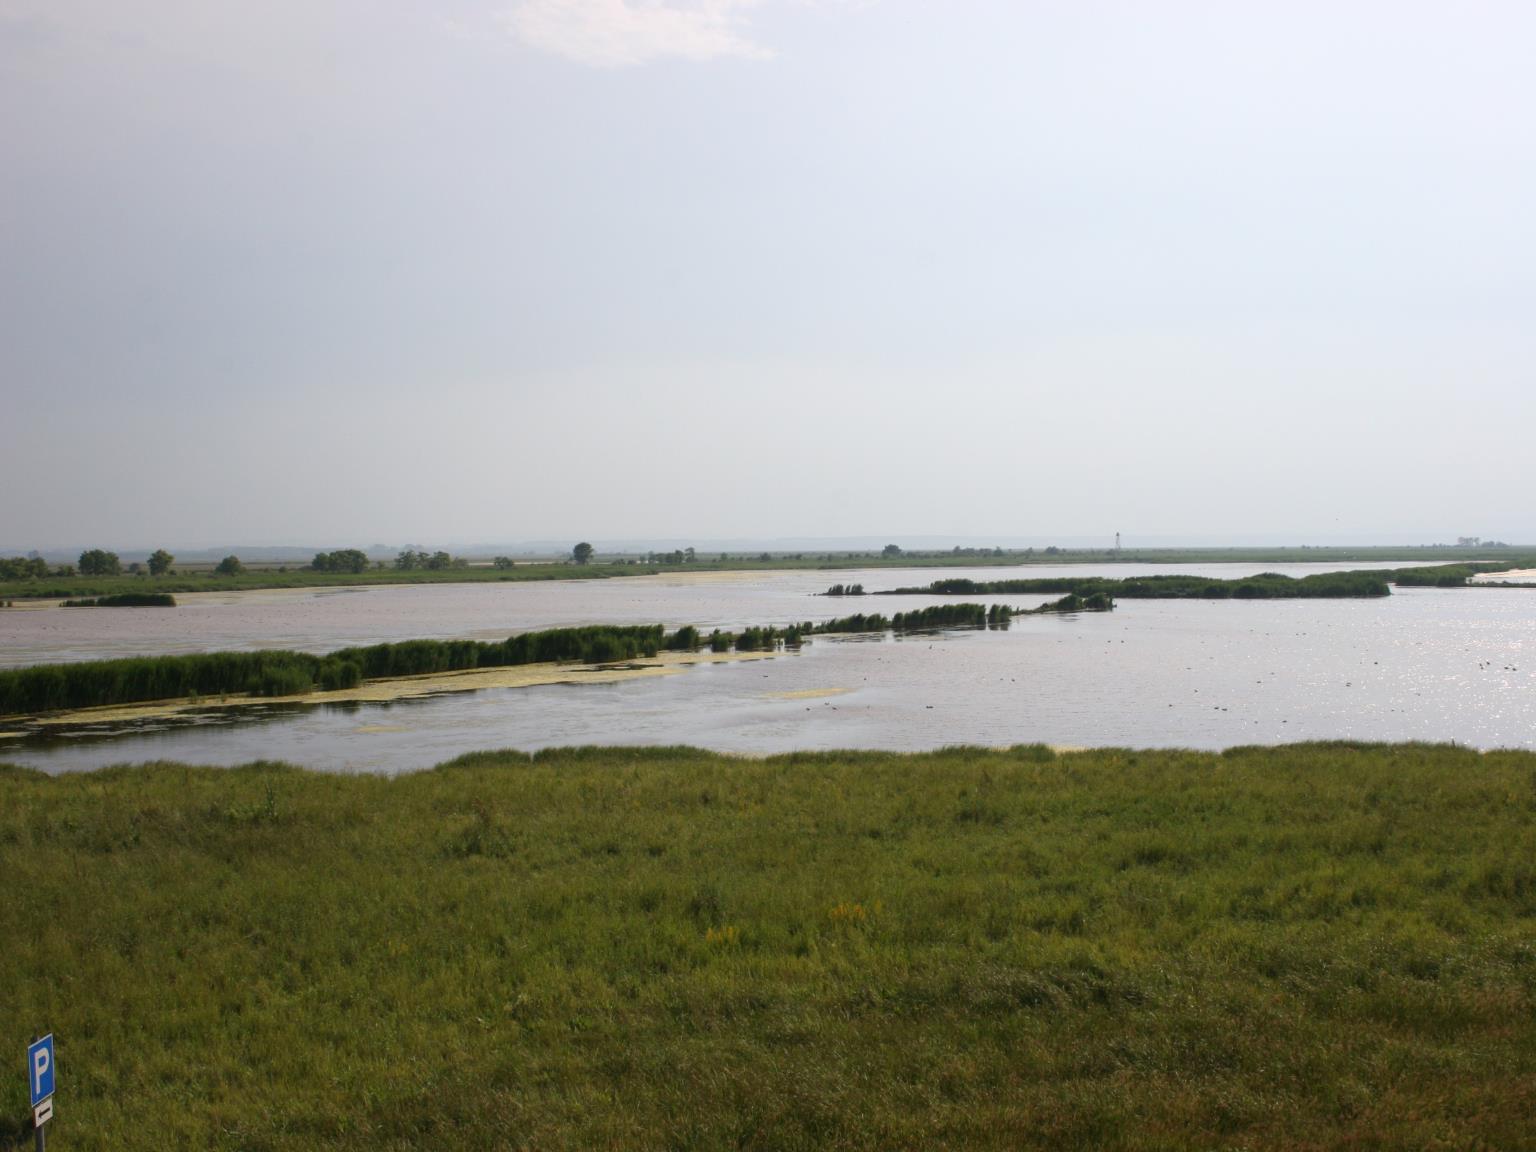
(1305, 947)
(276, 672)
(126, 600)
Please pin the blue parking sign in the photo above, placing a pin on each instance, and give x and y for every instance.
(40, 1069)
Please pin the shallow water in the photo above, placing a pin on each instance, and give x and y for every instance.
(1423, 664)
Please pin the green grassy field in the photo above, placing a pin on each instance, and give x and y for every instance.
(190, 578)
(1319, 946)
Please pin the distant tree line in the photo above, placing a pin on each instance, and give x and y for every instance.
(24, 568)
(677, 556)
(432, 562)
(342, 560)
(98, 562)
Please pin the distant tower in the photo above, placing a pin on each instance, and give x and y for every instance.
(1117, 541)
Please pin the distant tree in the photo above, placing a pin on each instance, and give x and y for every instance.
(438, 561)
(23, 568)
(229, 566)
(891, 550)
(582, 553)
(504, 562)
(96, 562)
(160, 562)
(342, 560)
(408, 560)
(689, 556)
(135, 569)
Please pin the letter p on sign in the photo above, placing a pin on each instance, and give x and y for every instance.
(40, 1064)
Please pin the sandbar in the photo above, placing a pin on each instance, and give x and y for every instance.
(1518, 576)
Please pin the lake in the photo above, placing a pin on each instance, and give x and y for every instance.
(1423, 664)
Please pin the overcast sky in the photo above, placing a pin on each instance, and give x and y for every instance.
(341, 271)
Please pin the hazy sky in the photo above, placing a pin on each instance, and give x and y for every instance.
(336, 271)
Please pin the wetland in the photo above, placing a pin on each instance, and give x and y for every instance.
(1426, 663)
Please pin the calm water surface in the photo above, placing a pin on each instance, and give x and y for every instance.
(322, 620)
(1423, 664)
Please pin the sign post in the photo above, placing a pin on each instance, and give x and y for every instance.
(40, 1084)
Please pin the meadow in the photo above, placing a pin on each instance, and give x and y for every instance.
(1314, 946)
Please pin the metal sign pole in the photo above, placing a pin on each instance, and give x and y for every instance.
(39, 1138)
(40, 1082)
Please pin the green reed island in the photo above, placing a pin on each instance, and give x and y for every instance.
(1363, 583)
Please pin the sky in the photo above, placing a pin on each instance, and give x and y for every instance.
(334, 272)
